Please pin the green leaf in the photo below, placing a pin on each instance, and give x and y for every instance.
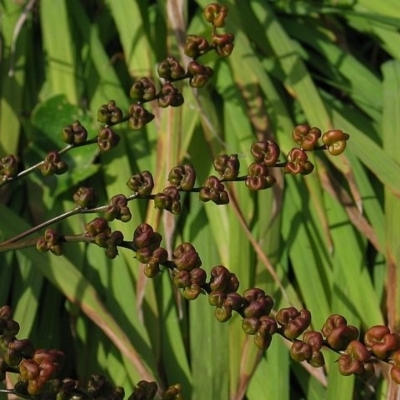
(49, 118)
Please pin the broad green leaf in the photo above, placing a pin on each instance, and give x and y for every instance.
(49, 118)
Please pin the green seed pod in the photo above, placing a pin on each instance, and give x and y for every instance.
(96, 226)
(8, 167)
(162, 201)
(170, 69)
(262, 339)
(74, 133)
(144, 390)
(250, 325)
(335, 140)
(101, 239)
(11, 329)
(107, 139)
(12, 357)
(224, 313)
(143, 90)
(191, 292)
(139, 116)
(53, 164)
(41, 245)
(183, 176)
(86, 198)
(172, 393)
(182, 278)
(96, 385)
(56, 249)
(317, 359)
(216, 298)
(151, 269)
(109, 113)
(144, 255)
(111, 252)
(169, 96)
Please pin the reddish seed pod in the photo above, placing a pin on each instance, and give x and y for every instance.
(185, 257)
(215, 14)
(293, 322)
(338, 334)
(227, 166)
(381, 341)
(223, 44)
(395, 374)
(300, 351)
(183, 176)
(266, 152)
(214, 190)
(196, 46)
(141, 183)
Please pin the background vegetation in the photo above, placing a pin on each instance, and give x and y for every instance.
(327, 242)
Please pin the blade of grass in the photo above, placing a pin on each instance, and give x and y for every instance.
(59, 48)
(274, 365)
(210, 358)
(6, 274)
(11, 89)
(302, 235)
(27, 294)
(361, 84)
(391, 130)
(352, 290)
(389, 8)
(391, 145)
(338, 383)
(385, 167)
(312, 388)
(296, 75)
(130, 19)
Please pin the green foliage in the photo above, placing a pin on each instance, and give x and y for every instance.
(327, 241)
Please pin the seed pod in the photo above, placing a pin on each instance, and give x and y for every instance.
(215, 14)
